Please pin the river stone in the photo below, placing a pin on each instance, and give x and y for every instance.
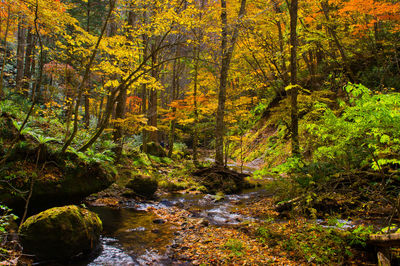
(61, 233)
(143, 185)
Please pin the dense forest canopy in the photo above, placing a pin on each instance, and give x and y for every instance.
(176, 70)
(308, 91)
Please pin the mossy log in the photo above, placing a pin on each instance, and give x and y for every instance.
(383, 243)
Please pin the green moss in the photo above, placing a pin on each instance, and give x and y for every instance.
(61, 232)
(143, 185)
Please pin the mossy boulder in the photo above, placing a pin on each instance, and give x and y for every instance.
(61, 233)
(66, 179)
(154, 149)
(219, 179)
(143, 185)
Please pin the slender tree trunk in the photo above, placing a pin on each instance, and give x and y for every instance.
(30, 43)
(225, 64)
(144, 111)
(152, 111)
(119, 114)
(5, 52)
(196, 111)
(20, 52)
(85, 77)
(68, 118)
(121, 105)
(104, 123)
(87, 110)
(241, 153)
(282, 51)
(171, 138)
(100, 113)
(293, 9)
(346, 62)
(226, 154)
(87, 94)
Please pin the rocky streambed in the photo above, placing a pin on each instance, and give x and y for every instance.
(146, 233)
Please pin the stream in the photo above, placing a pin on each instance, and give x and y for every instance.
(134, 236)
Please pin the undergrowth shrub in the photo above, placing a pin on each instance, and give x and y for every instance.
(366, 133)
(315, 243)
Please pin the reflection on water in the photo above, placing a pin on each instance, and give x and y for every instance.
(112, 254)
(131, 237)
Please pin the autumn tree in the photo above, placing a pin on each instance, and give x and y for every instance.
(227, 48)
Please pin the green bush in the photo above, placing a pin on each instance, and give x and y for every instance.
(315, 243)
(365, 133)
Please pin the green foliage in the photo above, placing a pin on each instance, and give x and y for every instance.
(180, 146)
(6, 216)
(11, 108)
(235, 246)
(292, 164)
(41, 139)
(260, 108)
(359, 236)
(314, 243)
(365, 133)
(90, 156)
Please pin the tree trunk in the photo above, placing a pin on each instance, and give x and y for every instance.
(104, 123)
(196, 111)
(293, 78)
(152, 111)
(87, 94)
(30, 44)
(5, 52)
(285, 75)
(100, 113)
(346, 62)
(225, 64)
(171, 137)
(144, 111)
(20, 53)
(119, 114)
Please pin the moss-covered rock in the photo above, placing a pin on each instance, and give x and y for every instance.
(154, 149)
(61, 233)
(64, 180)
(219, 179)
(143, 185)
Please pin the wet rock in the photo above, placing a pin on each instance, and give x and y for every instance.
(174, 246)
(158, 221)
(128, 193)
(61, 233)
(203, 222)
(143, 185)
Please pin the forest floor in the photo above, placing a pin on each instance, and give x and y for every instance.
(265, 240)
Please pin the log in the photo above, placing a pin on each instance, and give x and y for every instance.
(385, 240)
(383, 243)
(383, 258)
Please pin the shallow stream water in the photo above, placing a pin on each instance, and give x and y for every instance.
(134, 236)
